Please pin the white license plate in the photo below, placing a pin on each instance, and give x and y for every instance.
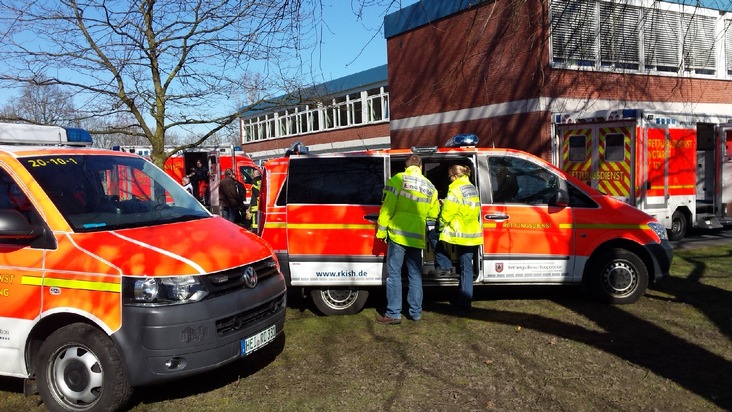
(255, 342)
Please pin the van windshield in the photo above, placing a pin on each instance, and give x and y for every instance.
(103, 192)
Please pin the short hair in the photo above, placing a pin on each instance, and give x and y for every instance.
(413, 160)
(228, 172)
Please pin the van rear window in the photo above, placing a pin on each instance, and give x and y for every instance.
(336, 180)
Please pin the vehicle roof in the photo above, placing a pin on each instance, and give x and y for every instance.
(40, 150)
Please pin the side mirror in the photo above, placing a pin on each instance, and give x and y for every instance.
(561, 197)
(13, 225)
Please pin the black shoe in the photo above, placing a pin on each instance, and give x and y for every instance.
(440, 272)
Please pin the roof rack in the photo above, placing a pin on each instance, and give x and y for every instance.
(31, 134)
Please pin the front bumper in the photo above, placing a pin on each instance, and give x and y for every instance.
(662, 255)
(198, 336)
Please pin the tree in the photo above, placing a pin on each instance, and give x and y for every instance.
(163, 65)
(41, 105)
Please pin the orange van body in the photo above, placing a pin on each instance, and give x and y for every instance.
(105, 260)
(320, 217)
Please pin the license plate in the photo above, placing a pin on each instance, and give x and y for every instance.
(255, 342)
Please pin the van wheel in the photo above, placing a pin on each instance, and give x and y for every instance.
(347, 301)
(679, 225)
(619, 276)
(79, 369)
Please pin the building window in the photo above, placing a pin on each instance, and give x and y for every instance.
(354, 109)
(728, 44)
(620, 35)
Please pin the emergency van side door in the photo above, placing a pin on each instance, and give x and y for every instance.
(22, 245)
(528, 228)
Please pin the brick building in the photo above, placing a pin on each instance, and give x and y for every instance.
(501, 68)
(346, 114)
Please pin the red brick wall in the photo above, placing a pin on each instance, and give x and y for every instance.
(497, 52)
(483, 55)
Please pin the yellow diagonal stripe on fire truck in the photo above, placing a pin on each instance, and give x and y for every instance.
(71, 284)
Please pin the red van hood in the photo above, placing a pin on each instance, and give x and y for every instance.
(185, 248)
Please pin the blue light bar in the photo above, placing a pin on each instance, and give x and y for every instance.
(464, 139)
(78, 136)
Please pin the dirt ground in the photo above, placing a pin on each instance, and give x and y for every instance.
(521, 349)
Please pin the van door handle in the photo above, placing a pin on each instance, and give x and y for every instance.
(372, 217)
(496, 216)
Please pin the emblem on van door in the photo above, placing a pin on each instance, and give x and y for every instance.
(499, 267)
(250, 277)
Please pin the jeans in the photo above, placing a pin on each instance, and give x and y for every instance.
(442, 261)
(465, 257)
(229, 213)
(396, 255)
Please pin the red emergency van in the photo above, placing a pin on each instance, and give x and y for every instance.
(541, 226)
(113, 276)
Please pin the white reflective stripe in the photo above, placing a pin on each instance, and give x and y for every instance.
(408, 234)
(414, 197)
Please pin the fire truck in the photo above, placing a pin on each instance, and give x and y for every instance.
(541, 226)
(217, 160)
(677, 167)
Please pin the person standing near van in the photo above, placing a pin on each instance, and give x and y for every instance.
(459, 224)
(230, 196)
(409, 200)
(251, 213)
(199, 178)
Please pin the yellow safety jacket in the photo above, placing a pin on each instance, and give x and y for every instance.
(459, 220)
(409, 200)
(254, 207)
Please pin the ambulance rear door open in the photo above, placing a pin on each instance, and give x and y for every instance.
(725, 174)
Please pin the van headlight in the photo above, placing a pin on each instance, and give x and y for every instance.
(659, 230)
(163, 290)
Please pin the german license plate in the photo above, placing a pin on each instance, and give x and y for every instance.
(255, 342)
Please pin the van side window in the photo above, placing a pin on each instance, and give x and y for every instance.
(336, 180)
(515, 180)
(12, 196)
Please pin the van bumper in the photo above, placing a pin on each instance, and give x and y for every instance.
(661, 255)
(198, 336)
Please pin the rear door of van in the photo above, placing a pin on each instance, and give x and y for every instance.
(332, 206)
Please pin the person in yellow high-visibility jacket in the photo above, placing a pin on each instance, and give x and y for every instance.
(459, 224)
(409, 200)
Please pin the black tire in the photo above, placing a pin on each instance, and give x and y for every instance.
(341, 301)
(79, 369)
(679, 226)
(618, 276)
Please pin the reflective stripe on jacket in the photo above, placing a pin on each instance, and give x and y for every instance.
(409, 200)
(460, 216)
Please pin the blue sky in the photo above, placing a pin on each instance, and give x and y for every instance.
(351, 45)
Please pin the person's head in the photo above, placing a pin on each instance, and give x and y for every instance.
(228, 173)
(456, 171)
(186, 180)
(256, 173)
(199, 163)
(413, 160)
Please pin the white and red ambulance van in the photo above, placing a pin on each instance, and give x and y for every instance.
(113, 276)
(541, 226)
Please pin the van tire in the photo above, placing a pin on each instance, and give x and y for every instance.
(341, 301)
(679, 226)
(79, 369)
(618, 276)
